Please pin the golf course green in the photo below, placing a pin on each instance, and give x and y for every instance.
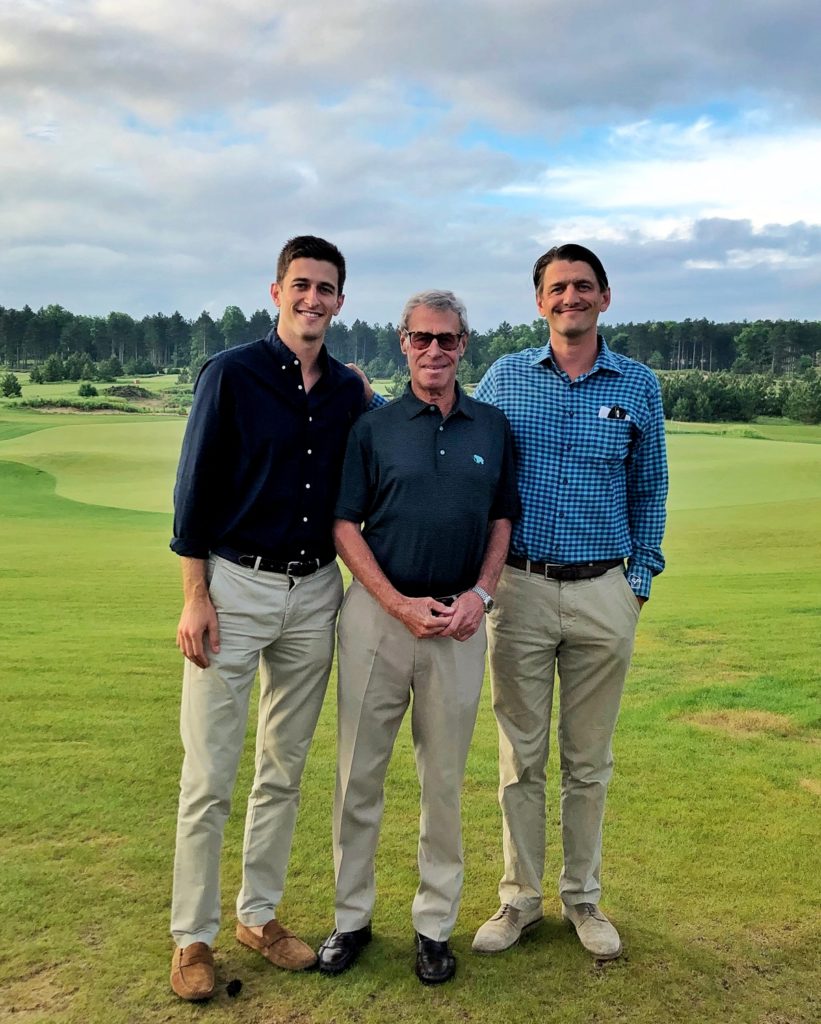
(712, 833)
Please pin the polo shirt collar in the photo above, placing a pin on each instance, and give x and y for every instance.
(414, 406)
(605, 360)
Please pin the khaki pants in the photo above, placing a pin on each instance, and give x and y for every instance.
(380, 665)
(288, 632)
(584, 629)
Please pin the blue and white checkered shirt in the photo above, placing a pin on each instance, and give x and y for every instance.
(592, 463)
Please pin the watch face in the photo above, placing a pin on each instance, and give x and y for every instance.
(489, 605)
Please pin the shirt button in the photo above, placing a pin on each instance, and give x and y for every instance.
(432, 408)
(310, 419)
(302, 552)
(564, 479)
(296, 363)
(304, 519)
(307, 487)
(441, 428)
(567, 447)
(283, 366)
(310, 452)
(441, 451)
(299, 386)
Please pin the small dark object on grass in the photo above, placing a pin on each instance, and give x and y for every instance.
(234, 987)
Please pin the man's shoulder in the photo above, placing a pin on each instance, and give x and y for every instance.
(524, 359)
(488, 415)
(341, 372)
(249, 355)
(633, 370)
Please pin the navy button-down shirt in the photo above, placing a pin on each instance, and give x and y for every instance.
(591, 457)
(261, 459)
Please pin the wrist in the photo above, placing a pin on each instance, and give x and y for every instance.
(484, 597)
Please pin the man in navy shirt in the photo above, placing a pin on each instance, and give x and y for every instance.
(257, 479)
(432, 478)
(589, 433)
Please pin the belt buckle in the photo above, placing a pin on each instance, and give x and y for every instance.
(309, 568)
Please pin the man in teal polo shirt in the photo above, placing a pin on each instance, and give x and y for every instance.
(431, 476)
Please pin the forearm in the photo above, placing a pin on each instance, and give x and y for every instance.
(495, 555)
(194, 578)
(357, 555)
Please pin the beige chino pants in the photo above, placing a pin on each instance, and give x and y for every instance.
(585, 630)
(381, 664)
(287, 631)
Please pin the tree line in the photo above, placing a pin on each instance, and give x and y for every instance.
(736, 370)
(160, 341)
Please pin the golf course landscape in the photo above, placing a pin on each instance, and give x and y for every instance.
(712, 846)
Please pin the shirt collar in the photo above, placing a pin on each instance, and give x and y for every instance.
(414, 406)
(605, 360)
(281, 351)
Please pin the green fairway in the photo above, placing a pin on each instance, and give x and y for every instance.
(712, 831)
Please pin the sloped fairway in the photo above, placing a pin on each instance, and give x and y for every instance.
(106, 460)
(711, 842)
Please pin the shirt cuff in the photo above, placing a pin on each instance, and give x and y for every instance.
(640, 579)
(375, 402)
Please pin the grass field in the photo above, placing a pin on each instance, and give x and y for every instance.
(712, 834)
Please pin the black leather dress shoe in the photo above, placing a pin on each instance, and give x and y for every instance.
(434, 961)
(341, 950)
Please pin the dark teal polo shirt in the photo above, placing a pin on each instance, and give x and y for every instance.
(426, 489)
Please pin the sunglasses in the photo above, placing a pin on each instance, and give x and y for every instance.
(422, 339)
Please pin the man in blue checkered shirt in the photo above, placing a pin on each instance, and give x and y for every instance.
(589, 432)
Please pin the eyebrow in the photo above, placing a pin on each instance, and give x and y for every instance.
(573, 280)
(320, 283)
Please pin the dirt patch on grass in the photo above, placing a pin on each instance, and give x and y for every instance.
(740, 722)
(811, 785)
(36, 996)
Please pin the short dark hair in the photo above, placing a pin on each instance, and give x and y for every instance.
(575, 254)
(312, 248)
(438, 299)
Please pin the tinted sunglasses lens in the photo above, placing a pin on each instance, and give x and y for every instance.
(448, 341)
(422, 339)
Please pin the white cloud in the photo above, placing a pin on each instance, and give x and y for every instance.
(155, 155)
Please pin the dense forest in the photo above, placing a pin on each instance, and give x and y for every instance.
(738, 370)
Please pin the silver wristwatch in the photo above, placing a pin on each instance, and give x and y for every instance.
(487, 600)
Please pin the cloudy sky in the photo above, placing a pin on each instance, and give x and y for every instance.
(155, 154)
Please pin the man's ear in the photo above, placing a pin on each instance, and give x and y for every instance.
(276, 294)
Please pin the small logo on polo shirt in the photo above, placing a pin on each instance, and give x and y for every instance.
(478, 460)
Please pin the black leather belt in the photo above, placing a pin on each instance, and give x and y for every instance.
(294, 568)
(564, 573)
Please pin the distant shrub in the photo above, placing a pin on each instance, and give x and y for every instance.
(10, 386)
(87, 391)
(131, 391)
(82, 404)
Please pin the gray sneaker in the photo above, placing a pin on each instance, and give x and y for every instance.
(505, 928)
(596, 933)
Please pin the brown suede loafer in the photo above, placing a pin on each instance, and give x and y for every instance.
(192, 972)
(279, 945)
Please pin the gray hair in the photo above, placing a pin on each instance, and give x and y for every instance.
(443, 301)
